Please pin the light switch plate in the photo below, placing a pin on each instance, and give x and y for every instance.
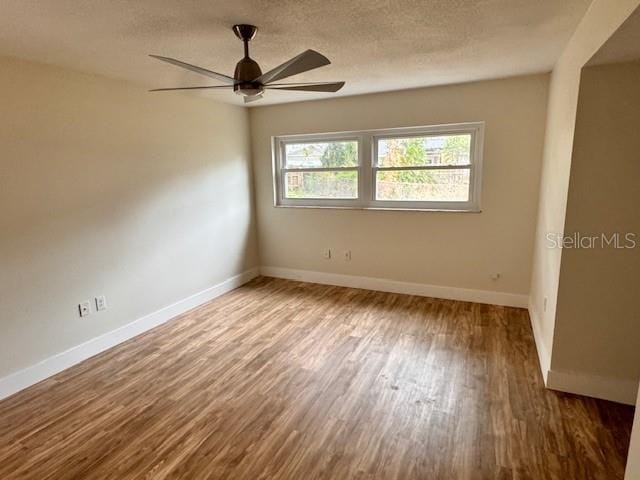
(84, 308)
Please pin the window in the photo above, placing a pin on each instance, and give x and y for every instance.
(425, 168)
(320, 170)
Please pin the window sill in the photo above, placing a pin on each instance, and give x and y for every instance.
(384, 209)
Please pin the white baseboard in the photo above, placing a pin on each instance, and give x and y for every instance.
(394, 286)
(22, 379)
(543, 354)
(619, 390)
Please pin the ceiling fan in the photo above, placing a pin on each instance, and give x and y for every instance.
(249, 81)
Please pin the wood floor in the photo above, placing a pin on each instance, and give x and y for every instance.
(285, 380)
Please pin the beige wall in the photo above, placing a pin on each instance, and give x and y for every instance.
(598, 316)
(632, 471)
(600, 21)
(445, 249)
(108, 189)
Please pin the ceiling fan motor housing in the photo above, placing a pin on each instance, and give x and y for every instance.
(247, 69)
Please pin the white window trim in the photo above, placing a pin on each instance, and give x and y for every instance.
(367, 157)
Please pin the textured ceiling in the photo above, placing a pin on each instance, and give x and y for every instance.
(373, 45)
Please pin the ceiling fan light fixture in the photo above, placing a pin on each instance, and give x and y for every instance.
(248, 89)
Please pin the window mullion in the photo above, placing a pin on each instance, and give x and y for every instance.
(281, 162)
(364, 175)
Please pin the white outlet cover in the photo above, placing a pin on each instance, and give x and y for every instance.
(101, 303)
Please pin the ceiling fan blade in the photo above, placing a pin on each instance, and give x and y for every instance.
(193, 68)
(252, 98)
(309, 87)
(190, 88)
(307, 60)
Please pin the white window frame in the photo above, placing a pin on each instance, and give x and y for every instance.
(367, 168)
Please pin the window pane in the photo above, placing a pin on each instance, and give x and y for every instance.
(425, 150)
(332, 184)
(321, 154)
(423, 185)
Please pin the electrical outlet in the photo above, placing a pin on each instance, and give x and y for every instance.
(84, 308)
(495, 276)
(326, 253)
(101, 303)
(347, 255)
